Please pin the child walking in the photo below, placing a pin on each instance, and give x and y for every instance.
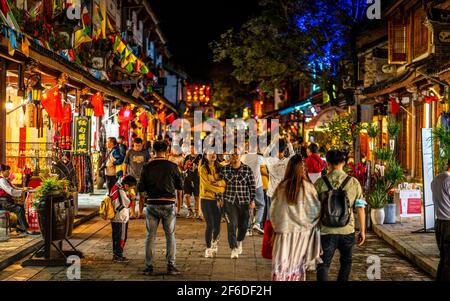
(120, 197)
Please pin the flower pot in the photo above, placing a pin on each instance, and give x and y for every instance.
(391, 211)
(59, 206)
(377, 216)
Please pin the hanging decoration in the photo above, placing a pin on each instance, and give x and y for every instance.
(128, 60)
(430, 98)
(125, 115)
(97, 102)
(395, 106)
(52, 103)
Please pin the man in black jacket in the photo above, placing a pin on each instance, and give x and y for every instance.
(66, 171)
(160, 180)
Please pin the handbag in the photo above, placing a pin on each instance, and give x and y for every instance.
(267, 246)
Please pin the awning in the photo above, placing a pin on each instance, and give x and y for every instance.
(54, 61)
(323, 118)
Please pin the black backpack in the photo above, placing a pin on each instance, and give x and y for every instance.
(335, 205)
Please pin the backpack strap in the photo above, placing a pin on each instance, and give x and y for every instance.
(345, 182)
(327, 182)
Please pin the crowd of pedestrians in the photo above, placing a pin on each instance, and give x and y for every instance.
(280, 187)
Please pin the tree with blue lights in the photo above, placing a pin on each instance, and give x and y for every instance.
(293, 40)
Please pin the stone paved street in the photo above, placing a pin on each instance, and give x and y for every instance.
(93, 238)
(421, 248)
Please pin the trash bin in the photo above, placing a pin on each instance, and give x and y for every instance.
(4, 225)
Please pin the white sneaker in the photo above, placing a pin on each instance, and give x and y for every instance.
(249, 233)
(215, 246)
(239, 248)
(258, 229)
(190, 214)
(209, 253)
(234, 253)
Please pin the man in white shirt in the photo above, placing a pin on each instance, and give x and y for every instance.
(254, 161)
(277, 164)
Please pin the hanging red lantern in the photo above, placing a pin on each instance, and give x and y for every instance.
(395, 106)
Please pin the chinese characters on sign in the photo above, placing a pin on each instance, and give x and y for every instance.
(82, 135)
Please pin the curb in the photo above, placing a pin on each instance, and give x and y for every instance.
(35, 244)
(407, 250)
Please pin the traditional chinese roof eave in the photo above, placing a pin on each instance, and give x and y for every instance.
(390, 86)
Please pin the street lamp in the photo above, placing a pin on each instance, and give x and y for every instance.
(88, 110)
(36, 92)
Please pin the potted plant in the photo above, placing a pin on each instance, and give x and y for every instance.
(377, 200)
(393, 129)
(390, 209)
(387, 175)
(51, 198)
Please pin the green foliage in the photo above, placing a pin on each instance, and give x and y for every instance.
(394, 174)
(373, 131)
(270, 49)
(393, 129)
(377, 198)
(340, 133)
(383, 154)
(441, 135)
(380, 192)
(52, 186)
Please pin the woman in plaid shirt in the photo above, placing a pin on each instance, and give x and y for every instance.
(239, 198)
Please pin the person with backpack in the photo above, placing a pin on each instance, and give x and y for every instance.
(121, 203)
(339, 193)
(314, 163)
(295, 214)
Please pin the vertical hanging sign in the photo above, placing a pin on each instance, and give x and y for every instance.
(81, 135)
(428, 175)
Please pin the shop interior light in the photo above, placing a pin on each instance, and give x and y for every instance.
(9, 104)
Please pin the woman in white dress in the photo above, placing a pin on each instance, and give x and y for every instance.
(294, 214)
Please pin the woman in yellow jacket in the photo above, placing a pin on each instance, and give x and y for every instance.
(211, 186)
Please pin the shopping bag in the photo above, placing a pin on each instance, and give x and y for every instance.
(267, 246)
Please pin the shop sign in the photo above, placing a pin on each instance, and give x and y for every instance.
(410, 203)
(82, 135)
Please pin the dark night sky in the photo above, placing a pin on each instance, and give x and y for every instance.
(190, 25)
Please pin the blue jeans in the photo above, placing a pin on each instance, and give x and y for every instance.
(259, 207)
(212, 215)
(166, 214)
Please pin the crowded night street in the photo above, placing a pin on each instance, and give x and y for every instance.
(233, 147)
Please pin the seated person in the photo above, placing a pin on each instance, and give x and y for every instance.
(7, 193)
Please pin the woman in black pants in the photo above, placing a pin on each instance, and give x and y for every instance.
(211, 187)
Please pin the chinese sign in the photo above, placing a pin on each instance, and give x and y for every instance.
(82, 135)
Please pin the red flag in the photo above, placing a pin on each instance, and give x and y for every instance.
(395, 106)
(51, 102)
